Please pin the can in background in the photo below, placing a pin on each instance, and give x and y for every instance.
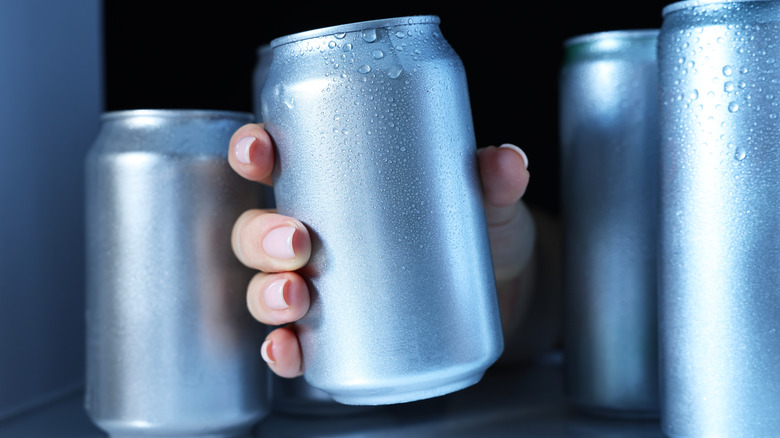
(609, 153)
(720, 163)
(377, 156)
(171, 347)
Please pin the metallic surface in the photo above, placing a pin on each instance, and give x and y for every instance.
(720, 308)
(171, 347)
(377, 156)
(259, 74)
(609, 152)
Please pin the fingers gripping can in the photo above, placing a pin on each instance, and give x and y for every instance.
(720, 308)
(609, 141)
(171, 348)
(377, 156)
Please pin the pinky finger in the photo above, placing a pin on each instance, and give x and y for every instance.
(282, 352)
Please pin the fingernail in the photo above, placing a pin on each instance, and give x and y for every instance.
(274, 295)
(265, 352)
(278, 243)
(242, 149)
(519, 151)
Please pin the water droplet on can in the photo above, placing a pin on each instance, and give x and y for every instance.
(364, 69)
(394, 72)
(369, 35)
(733, 107)
(378, 54)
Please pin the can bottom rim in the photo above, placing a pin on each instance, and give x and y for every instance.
(405, 396)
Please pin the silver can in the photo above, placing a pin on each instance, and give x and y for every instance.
(263, 59)
(720, 308)
(377, 156)
(609, 152)
(171, 348)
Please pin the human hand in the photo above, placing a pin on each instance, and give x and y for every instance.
(279, 245)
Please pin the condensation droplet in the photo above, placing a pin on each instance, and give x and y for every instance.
(728, 86)
(394, 72)
(340, 35)
(733, 107)
(728, 70)
(369, 35)
(332, 45)
(364, 69)
(740, 154)
(378, 54)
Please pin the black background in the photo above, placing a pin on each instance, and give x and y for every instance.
(201, 55)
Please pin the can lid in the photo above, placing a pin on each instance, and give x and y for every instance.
(178, 113)
(351, 27)
(686, 4)
(639, 44)
(613, 35)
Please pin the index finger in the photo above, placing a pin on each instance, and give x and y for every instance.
(251, 153)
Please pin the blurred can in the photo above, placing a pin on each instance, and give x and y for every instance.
(171, 347)
(377, 156)
(720, 308)
(609, 153)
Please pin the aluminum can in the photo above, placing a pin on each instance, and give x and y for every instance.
(609, 154)
(377, 156)
(720, 308)
(171, 347)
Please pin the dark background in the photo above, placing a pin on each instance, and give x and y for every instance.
(201, 55)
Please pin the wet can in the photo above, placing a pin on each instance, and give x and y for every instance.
(171, 348)
(377, 156)
(609, 152)
(289, 395)
(263, 59)
(264, 55)
(719, 282)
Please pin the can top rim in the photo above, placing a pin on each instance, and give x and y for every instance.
(351, 27)
(685, 4)
(173, 113)
(611, 34)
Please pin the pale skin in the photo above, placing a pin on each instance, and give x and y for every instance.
(277, 246)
